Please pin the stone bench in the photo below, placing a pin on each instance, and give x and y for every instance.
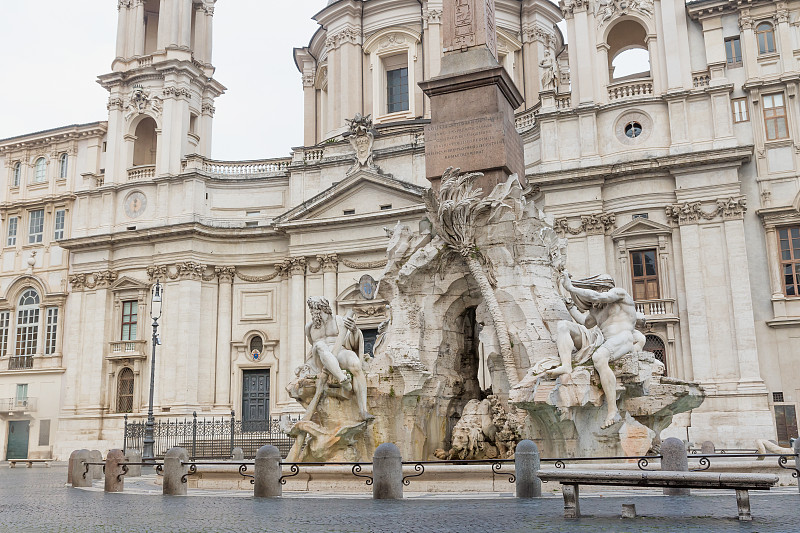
(742, 483)
(12, 463)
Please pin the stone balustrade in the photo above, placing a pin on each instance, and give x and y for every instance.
(526, 120)
(630, 89)
(563, 101)
(142, 172)
(145, 61)
(311, 156)
(655, 307)
(701, 79)
(246, 168)
(127, 349)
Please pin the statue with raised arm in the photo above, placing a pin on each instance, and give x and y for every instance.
(604, 330)
(337, 345)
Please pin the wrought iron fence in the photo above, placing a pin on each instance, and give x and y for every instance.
(208, 437)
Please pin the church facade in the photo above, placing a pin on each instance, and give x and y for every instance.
(680, 180)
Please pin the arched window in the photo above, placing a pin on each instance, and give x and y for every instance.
(27, 329)
(17, 174)
(125, 391)
(40, 171)
(62, 167)
(628, 55)
(765, 34)
(656, 346)
(146, 144)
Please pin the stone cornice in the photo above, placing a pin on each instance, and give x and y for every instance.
(737, 155)
(700, 9)
(57, 135)
(40, 201)
(167, 233)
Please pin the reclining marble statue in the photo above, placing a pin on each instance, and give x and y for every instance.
(332, 386)
(604, 330)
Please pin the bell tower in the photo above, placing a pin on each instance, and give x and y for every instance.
(161, 88)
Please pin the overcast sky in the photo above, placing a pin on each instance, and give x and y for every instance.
(53, 51)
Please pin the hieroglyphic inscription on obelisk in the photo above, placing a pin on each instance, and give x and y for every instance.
(469, 24)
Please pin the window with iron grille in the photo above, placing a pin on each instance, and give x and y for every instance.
(656, 346)
(125, 391)
(51, 331)
(789, 245)
(130, 320)
(60, 222)
(36, 226)
(5, 322)
(27, 324)
(777, 397)
(11, 239)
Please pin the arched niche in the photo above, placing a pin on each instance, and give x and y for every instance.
(145, 145)
(628, 50)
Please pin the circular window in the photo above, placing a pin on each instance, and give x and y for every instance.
(633, 129)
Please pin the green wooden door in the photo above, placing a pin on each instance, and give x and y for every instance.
(18, 432)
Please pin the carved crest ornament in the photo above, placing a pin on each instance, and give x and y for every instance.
(140, 101)
(606, 10)
(362, 138)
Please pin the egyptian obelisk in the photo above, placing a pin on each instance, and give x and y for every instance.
(472, 101)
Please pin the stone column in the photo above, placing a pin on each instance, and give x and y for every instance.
(268, 473)
(186, 11)
(122, 30)
(209, 41)
(115, 479)
(174, 470)
(775, 274)
(80, 478)
(138, 39)
(309, 109)
(585, 91)
(387, 473)
(199, 44)
(297, 314)
(330, 266)
(785, 34)
(434, 36)
(164, 25)
(526, 465)
(224, 318)
(674, 459)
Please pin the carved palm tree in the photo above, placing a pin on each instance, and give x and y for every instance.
(454, 211)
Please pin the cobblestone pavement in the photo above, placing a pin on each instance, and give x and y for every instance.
(37, 500)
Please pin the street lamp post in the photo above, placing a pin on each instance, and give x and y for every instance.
(155, 314)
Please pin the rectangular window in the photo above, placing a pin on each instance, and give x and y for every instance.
(130, 320)
(44, 433)
(397, 90)
(789, 246)
(5, 323)
(51, 331)
(733, 51)
(645, 275)
(27, 331)
(775, 117)
(36, 226)
(22, 394)
(11, 240)
(785, 423)
(740, 111)
(60, 222)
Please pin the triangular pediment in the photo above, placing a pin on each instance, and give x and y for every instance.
(126, 283)
(639, 227)
(362, 194)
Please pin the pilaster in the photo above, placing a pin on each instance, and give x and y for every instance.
(222, 398)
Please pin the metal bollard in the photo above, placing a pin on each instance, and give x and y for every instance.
(80, 477)
(526, 465)
(268, 473)
(115, 474)
(387, 473)
(674, 458)
(174, 470)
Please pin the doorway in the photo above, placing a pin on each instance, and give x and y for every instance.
(255, 400)
(18, 433)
